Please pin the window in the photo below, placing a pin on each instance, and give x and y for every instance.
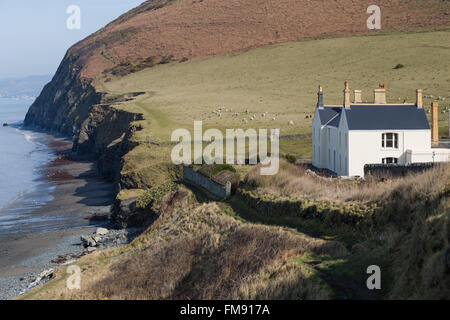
(389, 140)
(389, 160)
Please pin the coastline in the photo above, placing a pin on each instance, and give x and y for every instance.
(80, 203)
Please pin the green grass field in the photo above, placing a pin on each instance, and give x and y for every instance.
(282, 80)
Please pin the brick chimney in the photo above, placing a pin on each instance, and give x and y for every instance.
(419, 100)
(358, 96)
(346, 95)
(380, 95)
(320, 97)
(434, 124)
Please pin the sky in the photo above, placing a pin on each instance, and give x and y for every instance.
(34, 35)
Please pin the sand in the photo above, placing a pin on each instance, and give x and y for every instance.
(79, 194)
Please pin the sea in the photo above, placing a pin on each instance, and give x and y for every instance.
(23, 155)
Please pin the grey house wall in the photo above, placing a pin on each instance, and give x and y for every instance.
(213, 187)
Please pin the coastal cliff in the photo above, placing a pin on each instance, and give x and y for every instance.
(64, 103)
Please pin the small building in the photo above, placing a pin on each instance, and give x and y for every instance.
(347, 137)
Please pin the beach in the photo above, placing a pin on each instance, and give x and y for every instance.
(49, 234)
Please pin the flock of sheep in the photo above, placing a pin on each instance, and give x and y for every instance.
(250, 116)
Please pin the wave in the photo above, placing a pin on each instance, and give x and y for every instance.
(10, 203)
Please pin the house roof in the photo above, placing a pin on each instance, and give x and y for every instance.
(386, 117)
(327, 114)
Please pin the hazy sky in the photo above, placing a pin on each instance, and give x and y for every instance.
(34, 36)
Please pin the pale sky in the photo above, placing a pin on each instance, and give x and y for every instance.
(34, 36)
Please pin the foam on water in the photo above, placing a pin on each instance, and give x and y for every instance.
(22, 156)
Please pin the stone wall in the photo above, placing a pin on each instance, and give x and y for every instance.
(396, 170)
(221, 191)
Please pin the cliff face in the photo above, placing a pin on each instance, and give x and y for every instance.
(106, 133)
(64, 103)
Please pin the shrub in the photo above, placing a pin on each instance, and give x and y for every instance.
(290, 158)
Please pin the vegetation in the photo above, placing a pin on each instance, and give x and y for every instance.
(203, 254)
(320, 234)
(408, 232)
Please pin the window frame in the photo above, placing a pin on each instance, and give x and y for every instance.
(391, 138)
(393, 159)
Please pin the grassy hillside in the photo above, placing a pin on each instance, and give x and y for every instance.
(282, 80)
(184, 28)
(194, 249)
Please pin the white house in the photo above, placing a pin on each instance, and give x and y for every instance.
(347, 137)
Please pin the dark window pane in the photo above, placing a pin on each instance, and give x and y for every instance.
(389, 143)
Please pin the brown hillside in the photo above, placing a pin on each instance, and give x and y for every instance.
(192, 28)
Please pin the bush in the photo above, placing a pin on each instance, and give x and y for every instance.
(290, 158)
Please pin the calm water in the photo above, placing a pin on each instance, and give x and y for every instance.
(22, 155)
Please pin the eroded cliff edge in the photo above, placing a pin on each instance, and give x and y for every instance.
(72, 106)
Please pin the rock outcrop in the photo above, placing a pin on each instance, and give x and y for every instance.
(65, 102)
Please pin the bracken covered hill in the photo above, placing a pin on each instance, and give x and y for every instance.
(186, 28)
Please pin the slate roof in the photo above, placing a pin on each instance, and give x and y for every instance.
(327, 113)
(386, 117)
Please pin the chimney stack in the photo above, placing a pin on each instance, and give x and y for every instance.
(358, 96)
(434, 124)
(320, 97)
(380, 95)
(346, 95)
(419, 100)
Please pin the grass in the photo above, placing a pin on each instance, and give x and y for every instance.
(282, 80)
(294, 182)
(204, 254)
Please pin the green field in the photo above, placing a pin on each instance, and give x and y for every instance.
(282, 80)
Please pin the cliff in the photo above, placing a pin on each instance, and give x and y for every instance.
(64, 103)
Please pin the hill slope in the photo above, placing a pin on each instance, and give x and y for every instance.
(185, 28)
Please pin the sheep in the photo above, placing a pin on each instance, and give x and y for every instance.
(291, 123)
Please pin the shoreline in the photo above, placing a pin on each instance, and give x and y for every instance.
(50, 236)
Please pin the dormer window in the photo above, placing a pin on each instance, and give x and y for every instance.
(389, 140)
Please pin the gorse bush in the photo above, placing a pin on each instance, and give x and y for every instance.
(151, 197)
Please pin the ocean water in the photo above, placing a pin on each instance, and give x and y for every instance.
(22, 156)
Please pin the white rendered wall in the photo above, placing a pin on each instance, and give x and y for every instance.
(365, 147)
